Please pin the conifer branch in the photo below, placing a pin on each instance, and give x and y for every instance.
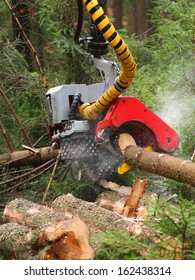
(16, 117)
(30, 46)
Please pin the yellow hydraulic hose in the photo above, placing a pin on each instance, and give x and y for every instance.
(123, 81)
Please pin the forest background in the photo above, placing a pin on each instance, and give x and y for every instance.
(161, 37)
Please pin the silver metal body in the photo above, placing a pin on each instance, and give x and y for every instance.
(58, 99)
(74, 126)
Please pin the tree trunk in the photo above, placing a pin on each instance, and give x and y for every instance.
(59, 236)
(118, 13)
(161, 164)
(21, 11)
(138, 17)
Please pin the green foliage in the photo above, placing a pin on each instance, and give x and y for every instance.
(173, 35)
(26, 96)
(70, 61)
(115, 245)
(170, 234)
(176, 221)
(5, 22)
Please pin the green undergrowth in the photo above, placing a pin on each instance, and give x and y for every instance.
(170, 234)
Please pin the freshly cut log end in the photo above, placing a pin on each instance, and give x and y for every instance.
(66, 248)
(125, 140)
(69, 241)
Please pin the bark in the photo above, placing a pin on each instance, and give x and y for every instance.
(138, 19)
(161, 164)
(91, 214)
(18, 242)
(59, 235)
(118, 13)
(28, 157)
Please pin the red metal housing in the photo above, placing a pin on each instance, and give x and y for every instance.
(130, 115)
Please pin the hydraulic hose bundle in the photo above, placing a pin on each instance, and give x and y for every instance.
(124, 80)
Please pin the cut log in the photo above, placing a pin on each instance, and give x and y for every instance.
(92, 214)
(31, 214)
(120, 189)
(105, 219)
(111, 201)
(161, 164)
(18, 242)
(28, 157)
(124, 140)
(61, 236)
(118, 200)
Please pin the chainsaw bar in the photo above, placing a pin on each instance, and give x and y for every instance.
(78, 146)
(102, 159)
(107, 162)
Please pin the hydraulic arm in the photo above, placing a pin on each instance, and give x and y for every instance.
(123, 53)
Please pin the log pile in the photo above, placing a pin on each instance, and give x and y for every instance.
(62, 231)
(33, 231)
(66, 229)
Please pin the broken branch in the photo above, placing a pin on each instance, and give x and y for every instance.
(9, 144)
